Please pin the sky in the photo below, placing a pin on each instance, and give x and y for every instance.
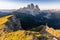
(43, 4)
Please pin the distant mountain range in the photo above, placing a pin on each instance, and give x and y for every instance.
(33, 16)
(7, 10)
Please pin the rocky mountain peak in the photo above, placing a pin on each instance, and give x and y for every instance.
(37, 7)
(32, 6)
(31, 9)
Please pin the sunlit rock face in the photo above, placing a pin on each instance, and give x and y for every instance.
(13, 24)
(49, 31)
(54, 32)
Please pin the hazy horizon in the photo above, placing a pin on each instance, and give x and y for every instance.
(43, 4)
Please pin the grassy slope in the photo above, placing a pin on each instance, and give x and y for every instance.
(4, 19)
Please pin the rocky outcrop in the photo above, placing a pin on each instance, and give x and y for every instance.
(13, 24)
(51, 32)
(9, 23)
